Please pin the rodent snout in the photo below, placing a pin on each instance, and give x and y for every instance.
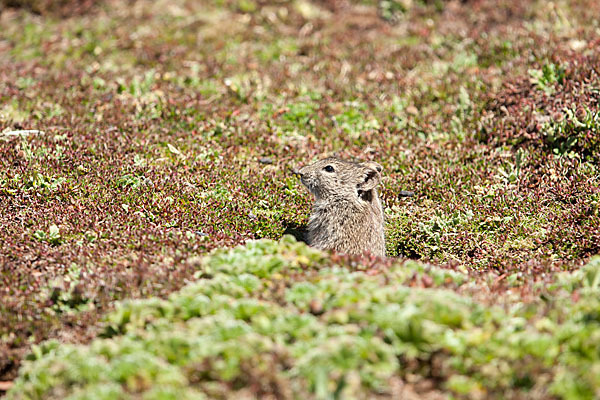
(296, 171)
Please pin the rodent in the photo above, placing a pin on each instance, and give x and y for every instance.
(347, 216)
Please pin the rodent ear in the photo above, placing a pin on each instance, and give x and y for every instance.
(371, 179)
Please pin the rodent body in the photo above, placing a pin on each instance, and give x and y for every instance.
(347, 216)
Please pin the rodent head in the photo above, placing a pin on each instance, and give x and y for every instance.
(332, 178)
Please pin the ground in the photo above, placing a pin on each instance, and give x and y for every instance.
(138, 135)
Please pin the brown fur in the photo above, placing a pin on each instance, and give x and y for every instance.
(347, 216)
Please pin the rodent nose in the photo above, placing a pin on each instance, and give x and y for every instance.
(296, 171)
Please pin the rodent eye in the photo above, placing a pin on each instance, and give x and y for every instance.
(328, 168)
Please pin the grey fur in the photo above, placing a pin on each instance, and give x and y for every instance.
(347, 215)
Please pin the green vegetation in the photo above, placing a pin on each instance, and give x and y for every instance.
(138, 136)
(282, 317)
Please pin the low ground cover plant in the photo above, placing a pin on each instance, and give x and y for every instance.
(137, 135)
(277, 318)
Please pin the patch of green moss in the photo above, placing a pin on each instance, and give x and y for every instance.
(284, 313)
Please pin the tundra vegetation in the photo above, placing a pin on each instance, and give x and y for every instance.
(145, 145)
